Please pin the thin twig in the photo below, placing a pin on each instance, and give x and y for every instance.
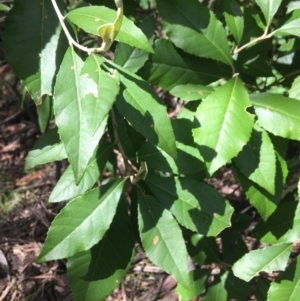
(69, 37)
(259, 39)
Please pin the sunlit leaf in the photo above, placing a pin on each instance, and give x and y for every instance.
(269, 8)
(295, 89)
(89, 18)
(66, 188)
(220, 115)
(286, 288)
(107, 261)
(162, 239)
(277, 114)
(191, 91)
(268, 259)
(47, 149)
(82, 222)
(75, 98)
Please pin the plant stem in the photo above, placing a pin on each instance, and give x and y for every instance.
(68, 35)
(128, 168)
(259, 39)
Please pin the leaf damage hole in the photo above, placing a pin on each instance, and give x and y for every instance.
(155, 240)
(73, 67)
(250, 110)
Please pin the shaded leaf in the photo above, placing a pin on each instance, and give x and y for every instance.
(35, 45)
(188, 161)
(263, 201)
(220, 115)
(282, 226)
(82, 222)
(217, 290)
(106, 263)
(143, 109)
(226, 286)
(234, 19)
(195, 205)
(75, 98)
(47, 149)
(257, 160)
(287, 288)
(192, 23)
(199, 278)
(169, 67)
(89, 18)
(268, 259)
(203, 250)
(162, 239)
(66, 189)
(277, 114)
(131, 58)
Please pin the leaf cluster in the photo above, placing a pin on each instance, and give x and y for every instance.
(231, 69)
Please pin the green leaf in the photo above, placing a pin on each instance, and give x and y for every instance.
(268, 259)
(293, 6)
(198, 285)
(108, 87)
(277, 114)
(203, 250)
(75, 99)
(47, 149)
(191, 91)
(35, 45)
(82, 222)
(234, 19)
(220, 115)
(195, 205)
(45, 112)
(131, 58)
(95, 273)
(129, 138)
(283, 226)
(4, 7)
(188, 159)
(169, 67)
(66, 189)
(226, 286)
(162, 239)
(264, 202)
(295, 89)
(143, 109)
(257, 160)
(89, 18)
(290, 27)
(233, 246)
(287, 287)
(269, 8)
(192, 23)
